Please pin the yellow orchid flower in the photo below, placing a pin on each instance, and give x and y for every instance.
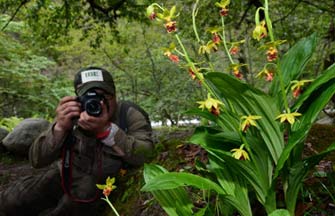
(240, 153)
(249, 120)
(211, 104)
(260, 31)
(108, 187)
(289, 117)
(297, 86)
(268, 74)
(208, 48)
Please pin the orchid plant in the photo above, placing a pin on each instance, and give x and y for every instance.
(256, 138)
(106, 190)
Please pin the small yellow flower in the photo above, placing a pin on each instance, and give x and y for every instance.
(268, 74)
(234, 50)
(260, 31)
(211, 104)
(240, 153)
(272, 54)
(249, 120)
(171, 26)
(289, 117)
(208, 48)
(223, 4)
(297, 86)
(108, 187)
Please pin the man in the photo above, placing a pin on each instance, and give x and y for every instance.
(93, 137)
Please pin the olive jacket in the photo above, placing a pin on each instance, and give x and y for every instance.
(92, 161)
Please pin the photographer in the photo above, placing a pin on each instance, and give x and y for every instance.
(93, 137)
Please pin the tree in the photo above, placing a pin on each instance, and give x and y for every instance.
(25, 90)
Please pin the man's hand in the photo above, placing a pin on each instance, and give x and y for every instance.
(95, 124)
(67, 109)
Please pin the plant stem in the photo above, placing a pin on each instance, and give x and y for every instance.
(225, 42)
(193, 21)
(194, 14)
(268, 20)
(111, 205)
(191, 64)
(281, 82)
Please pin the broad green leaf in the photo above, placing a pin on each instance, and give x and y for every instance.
(315, 98)
(280, 212)
(293, 63)
(232, 184)
(250, 101)
(243, 169)
(174, 180)
(295, 139)
(224, 140)
(175, 202)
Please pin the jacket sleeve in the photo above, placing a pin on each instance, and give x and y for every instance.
(136, 146)
(45, 150)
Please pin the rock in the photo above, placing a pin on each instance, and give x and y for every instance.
(326, 121)
(3, 134)
(20, 139)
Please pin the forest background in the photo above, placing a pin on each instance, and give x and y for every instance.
(43, 43)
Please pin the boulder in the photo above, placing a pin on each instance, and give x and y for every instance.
(3, 134)
(327, 120)
(24, 134)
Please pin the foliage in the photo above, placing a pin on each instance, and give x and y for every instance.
(51, 20)
(10, 123)
(25, 89)
(265, 129)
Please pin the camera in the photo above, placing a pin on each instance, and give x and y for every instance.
(91, 103)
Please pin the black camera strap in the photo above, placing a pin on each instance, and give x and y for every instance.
(66, 175)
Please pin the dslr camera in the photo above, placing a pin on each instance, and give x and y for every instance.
(91, 103)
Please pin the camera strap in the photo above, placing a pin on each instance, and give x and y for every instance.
(66, 175)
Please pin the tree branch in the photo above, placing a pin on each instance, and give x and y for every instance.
(328, 9)
(106, 11)
(13, 16)
(285, 16)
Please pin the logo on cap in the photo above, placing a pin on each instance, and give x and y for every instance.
(91, 75)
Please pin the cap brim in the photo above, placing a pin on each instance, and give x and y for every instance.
(81, 90)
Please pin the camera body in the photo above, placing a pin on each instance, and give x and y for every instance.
(91, 103)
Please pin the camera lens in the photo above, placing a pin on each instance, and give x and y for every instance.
(93, 107)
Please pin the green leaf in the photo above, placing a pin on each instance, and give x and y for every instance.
(315, 98)
(293, 63)
(280, 212)
(233, 184)
(243, 169)
(175, 202)
(295, 139)
(246, 100)
(211, 137)
(174, 180)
